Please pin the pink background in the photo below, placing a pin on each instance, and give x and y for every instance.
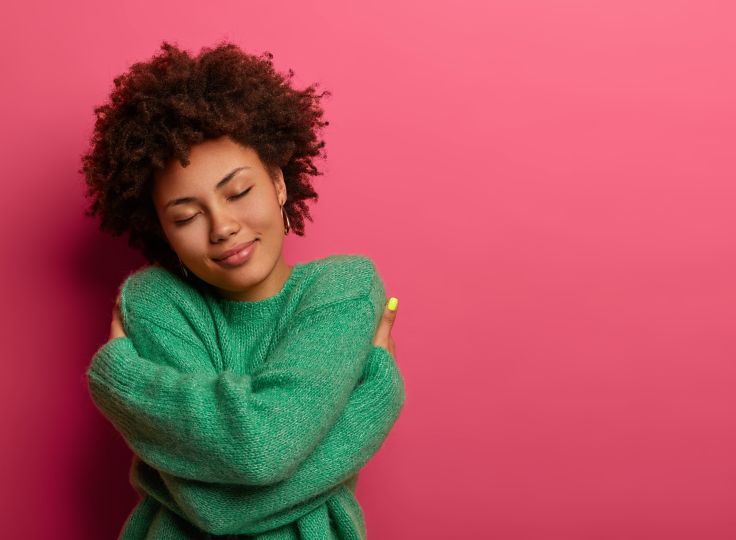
(547, 187)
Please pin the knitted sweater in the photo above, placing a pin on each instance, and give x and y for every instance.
(249, 419)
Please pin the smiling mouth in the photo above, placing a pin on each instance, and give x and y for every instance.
(239, 257)
(237, 248)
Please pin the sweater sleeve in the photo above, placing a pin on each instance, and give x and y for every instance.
(364, 424)
(222, 427)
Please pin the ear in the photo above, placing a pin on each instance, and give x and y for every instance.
(281, 193)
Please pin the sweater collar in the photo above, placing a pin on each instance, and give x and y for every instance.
(243, 309)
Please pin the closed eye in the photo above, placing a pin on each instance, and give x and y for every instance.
(236, 196)
(183, 221)
(241, 193)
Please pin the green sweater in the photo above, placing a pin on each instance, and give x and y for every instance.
(249, 419)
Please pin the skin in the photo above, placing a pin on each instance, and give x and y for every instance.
(220, 221)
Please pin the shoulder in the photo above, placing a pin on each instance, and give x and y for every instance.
(153, 283)
(342, 277)
(155, 294)
(148, 278)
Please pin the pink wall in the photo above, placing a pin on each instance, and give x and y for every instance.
(547, 187)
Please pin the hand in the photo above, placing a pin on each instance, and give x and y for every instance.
(383, 338)
(116, 326)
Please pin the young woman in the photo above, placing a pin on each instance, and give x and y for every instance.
(250, 391)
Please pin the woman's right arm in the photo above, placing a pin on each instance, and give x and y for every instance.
(369, 416)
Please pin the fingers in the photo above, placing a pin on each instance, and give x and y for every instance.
(116, 315)
(383, 332)
(116, 303)
(116, 325)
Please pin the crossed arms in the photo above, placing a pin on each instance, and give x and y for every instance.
(245, 454)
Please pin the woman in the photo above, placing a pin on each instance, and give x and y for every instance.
(250, 391)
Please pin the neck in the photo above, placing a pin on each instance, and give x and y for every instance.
(268, 287)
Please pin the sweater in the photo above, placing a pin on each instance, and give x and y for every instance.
(249, 419)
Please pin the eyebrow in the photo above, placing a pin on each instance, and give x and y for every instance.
(229, 176)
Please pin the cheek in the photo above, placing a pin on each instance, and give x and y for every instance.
(261, 216)
(185, 240)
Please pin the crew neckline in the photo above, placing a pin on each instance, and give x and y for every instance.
(267, 305)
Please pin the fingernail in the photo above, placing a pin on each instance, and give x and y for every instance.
(392, 303)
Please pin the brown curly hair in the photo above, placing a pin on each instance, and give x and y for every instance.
(159, 109)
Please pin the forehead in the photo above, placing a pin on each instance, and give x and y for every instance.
(209, 161)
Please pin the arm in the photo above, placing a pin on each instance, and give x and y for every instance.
(220, 427)
(364, 424)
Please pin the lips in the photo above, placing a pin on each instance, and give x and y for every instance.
(238, 247)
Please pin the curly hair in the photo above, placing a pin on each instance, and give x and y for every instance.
(159, 109)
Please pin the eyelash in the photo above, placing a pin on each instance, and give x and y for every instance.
(236, 196)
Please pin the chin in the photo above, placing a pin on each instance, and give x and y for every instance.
(243, 277)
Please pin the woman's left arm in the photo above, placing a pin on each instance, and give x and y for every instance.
(369, 416)
(221, 427)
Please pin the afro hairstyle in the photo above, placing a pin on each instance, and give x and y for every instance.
(160, 108)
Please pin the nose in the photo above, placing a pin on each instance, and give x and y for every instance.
(223, 226)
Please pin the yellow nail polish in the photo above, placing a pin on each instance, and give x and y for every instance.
(392, 303)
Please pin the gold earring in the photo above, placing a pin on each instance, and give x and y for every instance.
(287, 227)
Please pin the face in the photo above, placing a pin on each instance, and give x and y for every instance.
(223, 199)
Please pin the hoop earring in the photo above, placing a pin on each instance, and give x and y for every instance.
(183, 268)
(287, 227)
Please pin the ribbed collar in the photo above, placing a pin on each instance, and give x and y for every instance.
(268, 307)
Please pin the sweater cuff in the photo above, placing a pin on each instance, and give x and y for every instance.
(382, 366)
(108, 366)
